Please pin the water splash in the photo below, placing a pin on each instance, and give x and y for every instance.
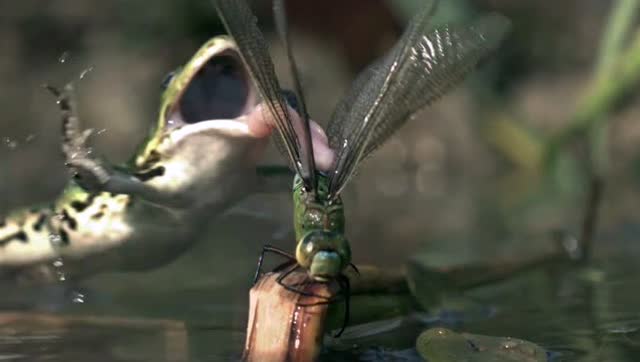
(63, 57)
(11, 144)
(55, 239)
(77, 297)
(85, 72)
(58, 266)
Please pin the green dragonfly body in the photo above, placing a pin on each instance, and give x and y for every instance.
(198, 160)
(424, 64)
(319, 228)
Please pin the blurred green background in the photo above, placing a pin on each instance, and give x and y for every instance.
(489, 171)
(477, 162)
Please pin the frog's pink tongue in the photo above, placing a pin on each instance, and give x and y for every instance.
(261, 124)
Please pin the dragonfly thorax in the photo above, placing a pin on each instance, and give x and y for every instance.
(319, 227)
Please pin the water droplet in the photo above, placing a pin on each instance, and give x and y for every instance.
(77, 297)
(10, 143)
(63, 57)
(55, 239)
(85, 72)
(58, 264)
(509, 344)
(30, 138)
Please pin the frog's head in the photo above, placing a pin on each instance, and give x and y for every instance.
(202, 141)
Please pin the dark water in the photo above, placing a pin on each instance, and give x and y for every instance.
(195, 310)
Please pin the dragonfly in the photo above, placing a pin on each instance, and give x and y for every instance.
(423, 65)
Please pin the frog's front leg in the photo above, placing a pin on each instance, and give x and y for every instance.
(89, 171)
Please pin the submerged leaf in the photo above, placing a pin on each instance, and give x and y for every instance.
(443, 345)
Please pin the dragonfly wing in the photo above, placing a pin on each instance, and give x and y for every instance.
(241, 24)
(421, 67)
(282, 25)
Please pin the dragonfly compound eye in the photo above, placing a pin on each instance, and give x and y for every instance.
(323, 253)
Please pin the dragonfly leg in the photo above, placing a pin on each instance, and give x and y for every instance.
(272, 249)
(284, 265)
(294, 287)
(346, 292)
(355, 268)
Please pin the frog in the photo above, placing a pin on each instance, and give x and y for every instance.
(199, 159)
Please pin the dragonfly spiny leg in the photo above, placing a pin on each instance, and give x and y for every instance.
(270, 249)
(346, 292)
(293, 287)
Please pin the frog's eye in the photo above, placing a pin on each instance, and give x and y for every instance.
(168, 78)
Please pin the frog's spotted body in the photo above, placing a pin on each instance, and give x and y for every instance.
(27, 236)
(198, 160)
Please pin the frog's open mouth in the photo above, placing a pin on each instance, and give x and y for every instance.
(220, 89)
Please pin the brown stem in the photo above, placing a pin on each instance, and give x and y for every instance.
(285, 325)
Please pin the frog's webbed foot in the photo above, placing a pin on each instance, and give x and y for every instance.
(89, 171)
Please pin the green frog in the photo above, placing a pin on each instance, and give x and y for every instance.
(199, 159)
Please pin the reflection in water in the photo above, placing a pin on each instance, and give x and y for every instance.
(39, 337)
(586, 313)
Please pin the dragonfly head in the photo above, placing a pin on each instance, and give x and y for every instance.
(324, 254)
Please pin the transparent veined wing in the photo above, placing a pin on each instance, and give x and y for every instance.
(241, 24)
(422, 66)
(282, 26)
